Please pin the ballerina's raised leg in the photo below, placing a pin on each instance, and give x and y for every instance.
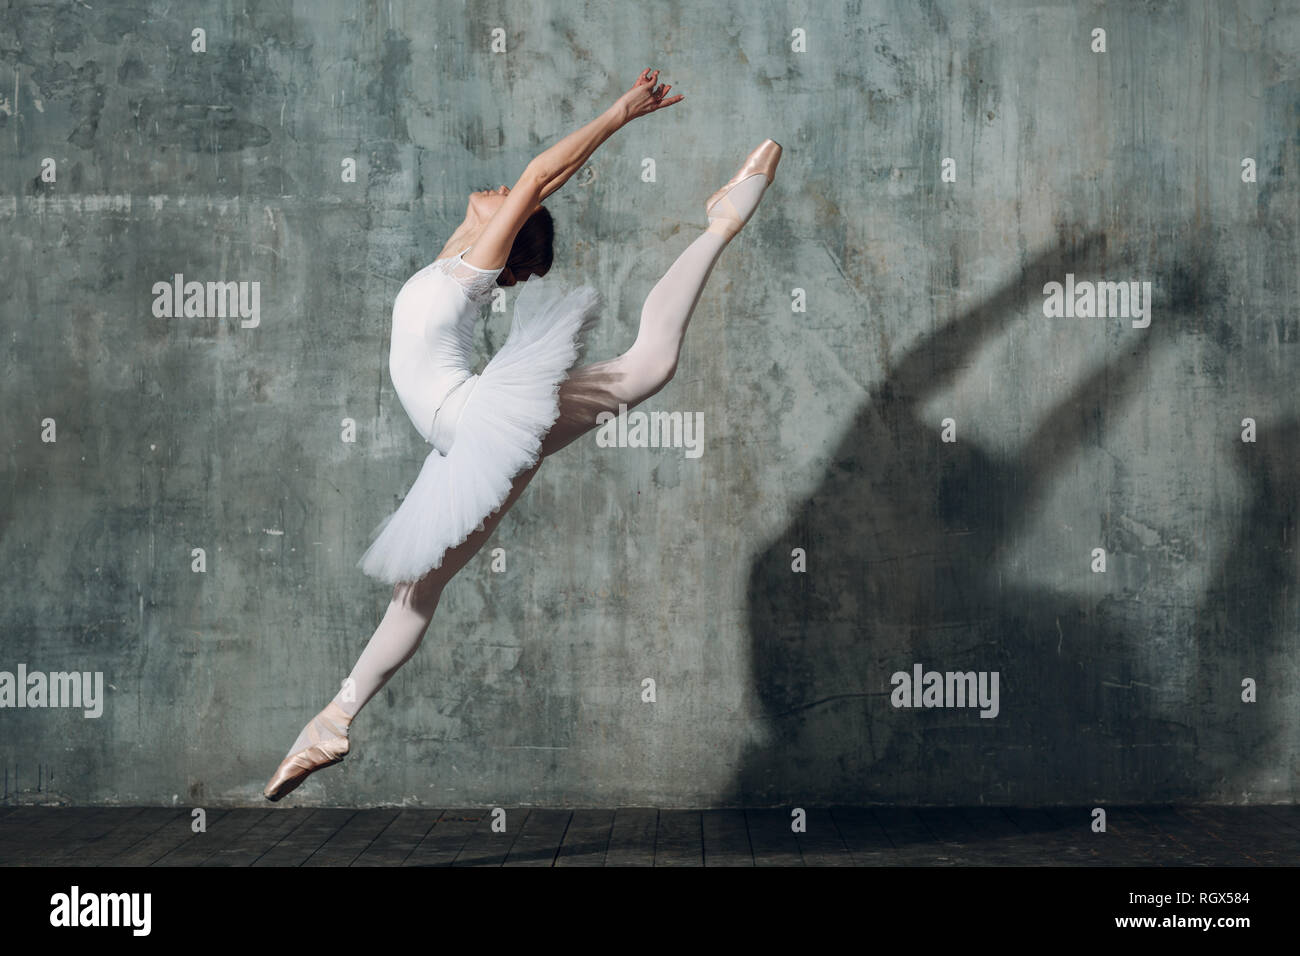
(650, 363)
(627, 379)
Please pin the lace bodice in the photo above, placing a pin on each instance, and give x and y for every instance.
(476, 283)
(434, 318)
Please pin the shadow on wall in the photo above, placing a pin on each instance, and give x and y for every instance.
(904, 537)
(1248, 624)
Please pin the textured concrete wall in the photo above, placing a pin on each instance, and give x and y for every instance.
(823, 429)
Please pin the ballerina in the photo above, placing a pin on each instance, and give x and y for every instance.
(490, 432)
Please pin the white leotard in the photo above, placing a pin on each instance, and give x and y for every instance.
(434, 317)
(498, 418)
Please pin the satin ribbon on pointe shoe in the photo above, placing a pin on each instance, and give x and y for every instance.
(725, 218)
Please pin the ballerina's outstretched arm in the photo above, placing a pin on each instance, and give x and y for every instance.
(551, 169)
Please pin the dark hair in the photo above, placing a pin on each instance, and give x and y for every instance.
(534, 247)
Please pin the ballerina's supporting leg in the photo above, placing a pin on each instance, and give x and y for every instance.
(409, 612)
(399, 634)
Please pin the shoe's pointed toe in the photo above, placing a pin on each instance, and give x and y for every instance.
(293, 770)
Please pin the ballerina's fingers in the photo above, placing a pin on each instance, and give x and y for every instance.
(676, 99)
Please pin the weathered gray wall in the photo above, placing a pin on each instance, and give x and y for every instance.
(821, 428)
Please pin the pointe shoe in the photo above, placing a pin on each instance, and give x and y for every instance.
(324, 751)
(725, 218)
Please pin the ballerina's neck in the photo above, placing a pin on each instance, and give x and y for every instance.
(466, 235)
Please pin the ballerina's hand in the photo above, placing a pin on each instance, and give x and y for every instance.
(644, 97)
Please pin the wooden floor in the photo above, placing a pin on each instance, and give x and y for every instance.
(155, 836)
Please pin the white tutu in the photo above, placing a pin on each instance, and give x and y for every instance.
(512, 406)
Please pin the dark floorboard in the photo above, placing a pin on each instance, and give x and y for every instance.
(820, 841)
(726, 838)
(632, 837)
(586, 842)
(399, 839)
(451, 836)
(1209, 836)
(679, 840)
(771, 840)
(352, 839)
(539, 838)
(864, 836)
(246, 848)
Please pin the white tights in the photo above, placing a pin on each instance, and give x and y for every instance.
(630, 378)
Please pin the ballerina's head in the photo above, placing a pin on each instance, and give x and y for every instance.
(533, 249)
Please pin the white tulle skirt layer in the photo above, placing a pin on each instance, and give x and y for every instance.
(512, 406)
